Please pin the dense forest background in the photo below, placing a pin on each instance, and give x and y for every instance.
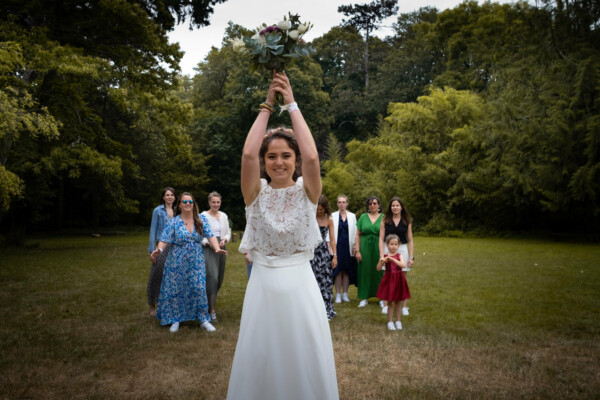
(483, 118)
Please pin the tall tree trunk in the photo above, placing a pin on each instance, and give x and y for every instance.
(60, 203)
(367, 59)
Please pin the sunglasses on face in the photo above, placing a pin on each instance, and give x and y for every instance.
(187, 201)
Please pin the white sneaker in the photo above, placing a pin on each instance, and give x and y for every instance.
(398, 325)
(391, 326)
(345, 297)
(338, 298)
(174, 327)
(404, 310)
(208, 326)
(384, 310)
(381, 303)
(363, 303)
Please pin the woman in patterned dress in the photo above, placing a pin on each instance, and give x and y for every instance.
(367, 251)
(284, 348)
(160, 216)
(183, 291)
(322, 263)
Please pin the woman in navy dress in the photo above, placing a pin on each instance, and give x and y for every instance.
(183, 291)
(344, 226)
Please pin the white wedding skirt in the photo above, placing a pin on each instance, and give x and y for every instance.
(284, 349)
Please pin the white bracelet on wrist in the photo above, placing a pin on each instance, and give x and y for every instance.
(290, 107)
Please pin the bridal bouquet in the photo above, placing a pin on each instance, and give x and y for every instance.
(274, 46)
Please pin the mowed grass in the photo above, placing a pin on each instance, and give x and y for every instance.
(489, 319)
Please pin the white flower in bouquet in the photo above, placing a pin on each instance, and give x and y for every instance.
(284, 25)
(294, 34)
(238, 45)
(303, 28)
(260, 38)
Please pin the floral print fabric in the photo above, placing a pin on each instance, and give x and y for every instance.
(321, 266)
(183, 291)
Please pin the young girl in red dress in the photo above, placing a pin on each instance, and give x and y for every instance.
(393, 287)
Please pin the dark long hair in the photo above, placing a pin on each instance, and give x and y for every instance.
(195, 213)
(285, 134)
(404, 215)
(325, 204)
(170, 189)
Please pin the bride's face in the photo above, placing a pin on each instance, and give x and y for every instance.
(280, 162)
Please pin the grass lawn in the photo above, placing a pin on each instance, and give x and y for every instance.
(489, 319)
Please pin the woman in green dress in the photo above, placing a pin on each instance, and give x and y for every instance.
(367, 250)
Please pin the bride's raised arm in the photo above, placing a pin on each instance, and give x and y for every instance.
(250, 176)
(311, 170)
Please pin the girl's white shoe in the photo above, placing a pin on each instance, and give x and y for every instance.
(338, 298)
(345, 297)
(391, 326)
(208, 326)
(175, 327)
(398, 325)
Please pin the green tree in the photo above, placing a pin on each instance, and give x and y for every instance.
(20, 115)
(100, 125)
(409, 67)
(365, 17)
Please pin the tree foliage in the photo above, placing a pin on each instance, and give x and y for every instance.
(516, 146)
(365, 17)
(90, 124)
(480, 116)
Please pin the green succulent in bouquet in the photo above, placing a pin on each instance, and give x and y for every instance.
(275, 46)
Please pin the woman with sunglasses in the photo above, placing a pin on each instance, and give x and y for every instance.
(183, 291)
(366, 250)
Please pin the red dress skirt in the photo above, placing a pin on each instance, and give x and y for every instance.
(393, 286)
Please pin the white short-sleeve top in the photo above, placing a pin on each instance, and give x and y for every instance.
(281, 222)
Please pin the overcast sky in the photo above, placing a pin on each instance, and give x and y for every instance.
(250, 14)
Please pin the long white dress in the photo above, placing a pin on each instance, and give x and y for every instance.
(284, 349)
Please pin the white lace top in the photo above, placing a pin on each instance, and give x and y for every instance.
(281, 222)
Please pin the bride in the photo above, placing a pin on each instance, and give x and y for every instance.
(284, 349)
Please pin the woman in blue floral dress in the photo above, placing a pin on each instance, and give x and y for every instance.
(183, 291)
